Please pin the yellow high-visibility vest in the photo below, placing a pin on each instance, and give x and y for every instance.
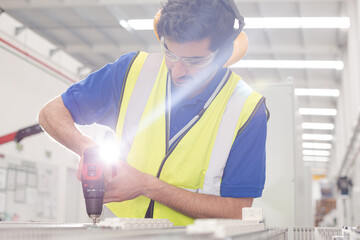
(198, 155)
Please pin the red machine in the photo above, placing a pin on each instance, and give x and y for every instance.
(21, 134)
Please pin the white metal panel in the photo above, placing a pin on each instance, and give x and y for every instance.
(278, 200)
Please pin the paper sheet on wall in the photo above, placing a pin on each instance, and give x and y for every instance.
(31, 196)
(32, 179)
(11, 179)
(45, 179)
(20, 195)
(2, 202)
(2, 178)
(20, 178)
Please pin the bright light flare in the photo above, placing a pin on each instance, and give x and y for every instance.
(110, 152)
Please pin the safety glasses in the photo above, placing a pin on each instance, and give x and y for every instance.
(192, 62)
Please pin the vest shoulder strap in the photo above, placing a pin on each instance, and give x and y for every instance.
(146, 72)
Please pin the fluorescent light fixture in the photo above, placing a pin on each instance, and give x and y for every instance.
(315, 159)
(141, 24)
(125, 24)
(313, 145)
(316, 153)
(317, 92)
(321, 137)
(289, 64)
(271, 22)
(318, 111)
(317, 126)
(297, 22)
(137, 24)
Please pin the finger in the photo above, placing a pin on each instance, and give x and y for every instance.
(121, 165)
(109, 185)
(107, 174)
(109, 200)
(79, 171)
(111, 197)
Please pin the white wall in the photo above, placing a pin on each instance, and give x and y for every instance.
(349, 108)
(25, 86)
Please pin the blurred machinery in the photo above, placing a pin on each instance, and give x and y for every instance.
(326, 233)
(344, 185)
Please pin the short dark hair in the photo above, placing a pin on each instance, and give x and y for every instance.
(192, 20)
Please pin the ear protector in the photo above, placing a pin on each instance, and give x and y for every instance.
(235, 47)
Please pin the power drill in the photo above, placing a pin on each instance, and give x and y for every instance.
(92, 179)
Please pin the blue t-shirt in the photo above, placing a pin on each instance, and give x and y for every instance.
(96, 100)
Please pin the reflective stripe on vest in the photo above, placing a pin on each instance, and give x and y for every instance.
(224, 139)
(138, 101)
(198, 157)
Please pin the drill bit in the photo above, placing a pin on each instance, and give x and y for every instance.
(94, 220)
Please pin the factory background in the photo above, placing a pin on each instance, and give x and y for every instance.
(303, 56)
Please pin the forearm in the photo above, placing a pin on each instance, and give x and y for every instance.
(195, 205)
(57, 121)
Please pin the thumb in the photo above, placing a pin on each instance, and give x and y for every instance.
(79, 170)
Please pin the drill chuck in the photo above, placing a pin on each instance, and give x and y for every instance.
(92, 179)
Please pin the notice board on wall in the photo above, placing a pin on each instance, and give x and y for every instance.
(27, 190)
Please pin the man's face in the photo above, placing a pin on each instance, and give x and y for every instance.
(190, 62)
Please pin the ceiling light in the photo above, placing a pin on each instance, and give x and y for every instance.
(312, 145)
(289, 64)
(271, 22)
(317, 92)
(142, 24)
(125, 24)
(321, 137)
(297, 22)
(318, 111)
(316, 153)
(317, 126)
(315, 159)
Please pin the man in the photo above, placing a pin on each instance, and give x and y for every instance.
(192, 133)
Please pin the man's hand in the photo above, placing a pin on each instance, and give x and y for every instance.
(80, 163)
(128, 183)
(79, 170)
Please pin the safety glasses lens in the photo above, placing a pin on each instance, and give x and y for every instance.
(193, 62)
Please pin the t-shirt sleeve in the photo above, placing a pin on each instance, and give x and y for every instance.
(95, 99)
(244, 173)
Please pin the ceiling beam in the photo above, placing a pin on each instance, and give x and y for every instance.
(24, 4)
